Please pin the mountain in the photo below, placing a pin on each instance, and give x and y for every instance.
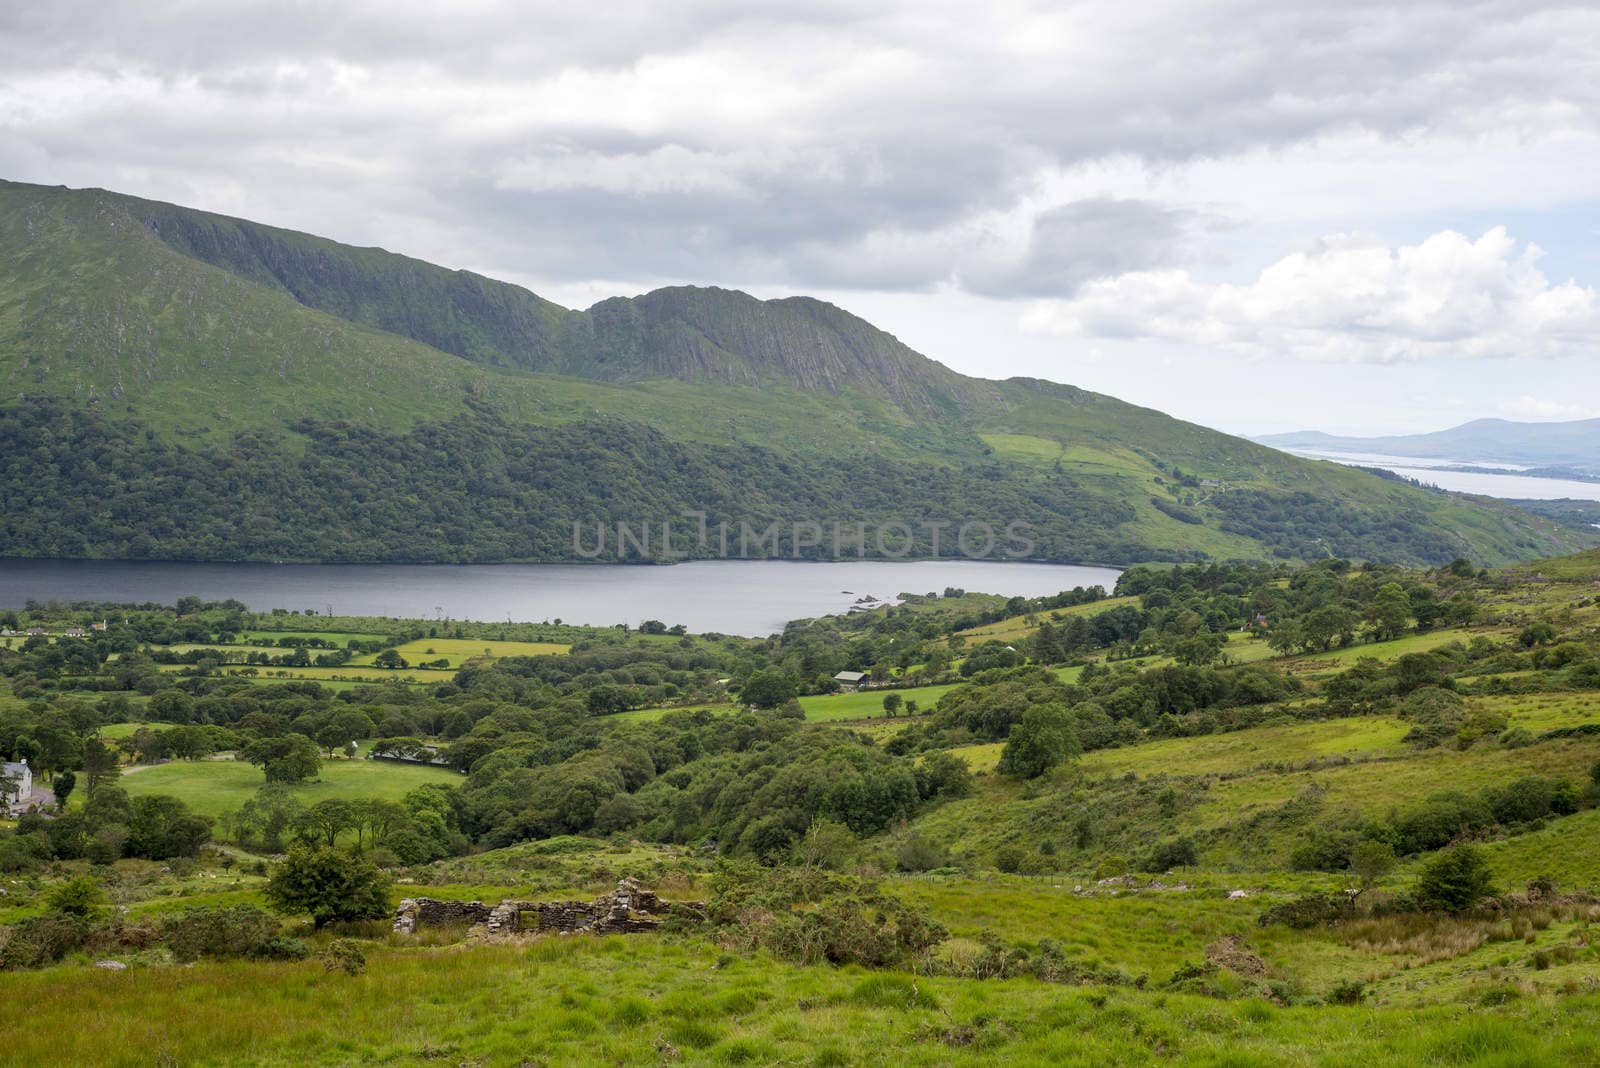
(1573, 444)
(181, 385)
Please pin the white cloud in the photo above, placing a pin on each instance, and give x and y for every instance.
(1352, 299)
(1543, 409)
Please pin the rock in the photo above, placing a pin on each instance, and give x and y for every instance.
(111, 965)
(1236, 895)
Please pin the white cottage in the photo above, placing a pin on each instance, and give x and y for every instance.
(16, 785)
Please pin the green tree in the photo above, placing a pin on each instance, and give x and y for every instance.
(892, 703)
(1371, 861)
(329, 885)
(326, 820)
(286, 758)
(161, 827)
(1329, 624)
(1454, 881)
(768, 689)
(99, 763)
(1389, 612)
(1043, 739)
(63, 787)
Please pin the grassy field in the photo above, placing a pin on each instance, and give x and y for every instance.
(643, 1000)
(1016, 627)
(646, 715)
(212, 787)
(124, 730)
(866, 704)
(338, 637)
(460, 650)
(350, 673)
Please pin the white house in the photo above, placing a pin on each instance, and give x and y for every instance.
(16, 784)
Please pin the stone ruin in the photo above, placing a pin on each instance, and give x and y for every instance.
(627, 910)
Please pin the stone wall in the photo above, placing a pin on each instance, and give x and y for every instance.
(627, 910)
(417, 912)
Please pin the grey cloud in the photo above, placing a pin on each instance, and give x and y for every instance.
(1082, 241)
(854, 150)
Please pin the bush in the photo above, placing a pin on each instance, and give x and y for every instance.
(1454, 881)
(81, 897)
(1524, 801)
(1347, 992)
(918, 853)
(329, 885)
(281, 948)
(42, 940)
(1010, 859)
(344, 955)
(234, 931)
(1312, 910)
(1178, 853)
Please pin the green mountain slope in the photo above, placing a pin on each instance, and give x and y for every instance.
(252, 392)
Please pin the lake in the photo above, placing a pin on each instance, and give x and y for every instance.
(1511, 487)
(744, 597)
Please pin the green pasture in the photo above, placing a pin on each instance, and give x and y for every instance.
(212, 787)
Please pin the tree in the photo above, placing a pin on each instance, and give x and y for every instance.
(329, 885)
(1389, 611)
(99, 763)
(1329, 624)
(1287, 637)
(1454, 881)
(342, 729)
(262, 820)
(326, 820)
(1199, 650)
(287, 758)
(767, 689)
(63, 787)
(1371, 861)
(161, 827)
(1043, 739)
(892, 703)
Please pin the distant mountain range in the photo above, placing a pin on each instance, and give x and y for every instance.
(1482, 442)
(176, 384)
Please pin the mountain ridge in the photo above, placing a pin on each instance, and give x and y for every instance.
(167, 329)
(1572, 443)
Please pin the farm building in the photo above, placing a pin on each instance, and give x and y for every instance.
(853, 679)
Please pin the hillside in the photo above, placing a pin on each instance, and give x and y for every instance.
(1574, 444)
(1222, 813)
(182, 385)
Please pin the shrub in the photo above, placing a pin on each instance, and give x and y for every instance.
(1177, 853)
(281, 947)
(344, 955)
(1010, 858)
(1347, 992)
(1524, 801)
(1454, 881)
(329, 885)
(81, 897)
(918, 853)
(1311, 910)
(234, 931)
(42, 940)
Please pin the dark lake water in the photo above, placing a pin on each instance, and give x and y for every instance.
(746, 597)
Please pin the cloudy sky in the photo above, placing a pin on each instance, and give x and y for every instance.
(1260, 216)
